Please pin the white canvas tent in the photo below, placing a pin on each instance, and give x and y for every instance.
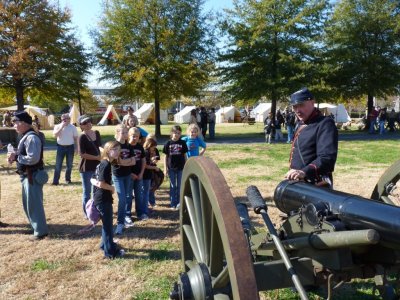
(33, 111)
(339, 112)
(260, 112)
(146, 114)
(110, 109)
(74, 114)
(40, 113)
(184, 115)
(228, 114)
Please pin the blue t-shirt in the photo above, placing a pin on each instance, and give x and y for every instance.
(143, 133)
(193, 145)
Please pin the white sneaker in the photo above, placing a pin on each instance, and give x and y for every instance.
(128, 222)
(120, 253)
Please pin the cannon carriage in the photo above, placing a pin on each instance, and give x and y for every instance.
(327, 238)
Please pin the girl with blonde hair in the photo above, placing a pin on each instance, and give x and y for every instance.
(102, 197)
(194, 141)
(121, 176)
(137, 174)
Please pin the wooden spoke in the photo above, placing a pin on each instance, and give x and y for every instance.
(212, 234)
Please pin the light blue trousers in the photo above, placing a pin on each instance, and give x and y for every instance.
(32, 200)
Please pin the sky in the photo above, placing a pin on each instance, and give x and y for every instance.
(85, 14)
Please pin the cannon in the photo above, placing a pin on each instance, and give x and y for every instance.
(326, 238)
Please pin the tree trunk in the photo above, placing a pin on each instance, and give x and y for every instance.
(79, 99)
(19, 89)
(370, 106)
(274, 75)
(157, 110)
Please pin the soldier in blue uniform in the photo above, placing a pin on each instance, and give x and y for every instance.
(315, 144)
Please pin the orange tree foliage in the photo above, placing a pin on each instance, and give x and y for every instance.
(38, 50)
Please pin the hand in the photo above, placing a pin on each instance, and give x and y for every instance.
(11, 157)
(295, 174)
(112, 190)
(94, 181)
(134, 176)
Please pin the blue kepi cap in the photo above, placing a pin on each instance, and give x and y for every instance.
(301, 96)
(22, 116)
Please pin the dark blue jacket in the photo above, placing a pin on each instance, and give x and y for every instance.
(315, 147)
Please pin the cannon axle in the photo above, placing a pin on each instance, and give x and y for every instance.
(195, 284)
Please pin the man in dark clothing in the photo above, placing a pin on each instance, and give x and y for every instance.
(315, 144)
(203, 121)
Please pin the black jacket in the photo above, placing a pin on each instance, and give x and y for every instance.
(315, 147)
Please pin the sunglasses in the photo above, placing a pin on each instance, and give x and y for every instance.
(65, 119)
(85, 123)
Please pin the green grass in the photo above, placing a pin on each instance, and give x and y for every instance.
(162, 251)
(156, 288)
(42, 265)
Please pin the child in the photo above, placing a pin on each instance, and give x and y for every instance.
(175, 158)
(152, 156)
(102, 196)
(137, 174)
(121, 176)
(194, 140)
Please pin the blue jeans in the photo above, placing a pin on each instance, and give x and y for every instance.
(290, 131)
(123, 187)
(32, 201)
(381, 127)
(68, 153)
(86, 188)
(211, 130)
(140, 204)
(175, 177)
(107, 243)
(372, 126)
(148, 195)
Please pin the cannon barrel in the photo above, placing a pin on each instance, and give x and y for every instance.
(354, 211)
(329, 240)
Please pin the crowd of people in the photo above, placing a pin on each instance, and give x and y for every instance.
(380, 120)
(273, 127)
(204, 120)
(126, 167)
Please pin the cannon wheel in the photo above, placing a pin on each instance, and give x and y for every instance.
(212, 236)
(386, 184)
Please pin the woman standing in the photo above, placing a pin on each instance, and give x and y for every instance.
(89, 143)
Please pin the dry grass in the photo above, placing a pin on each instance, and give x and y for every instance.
(70, 266)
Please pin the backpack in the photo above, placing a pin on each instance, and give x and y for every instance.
(156, 180)
(92, 212)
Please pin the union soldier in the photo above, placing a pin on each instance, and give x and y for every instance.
(315, 144)
(30, 167)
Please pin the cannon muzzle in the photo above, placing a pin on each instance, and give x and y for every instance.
(354, 211)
